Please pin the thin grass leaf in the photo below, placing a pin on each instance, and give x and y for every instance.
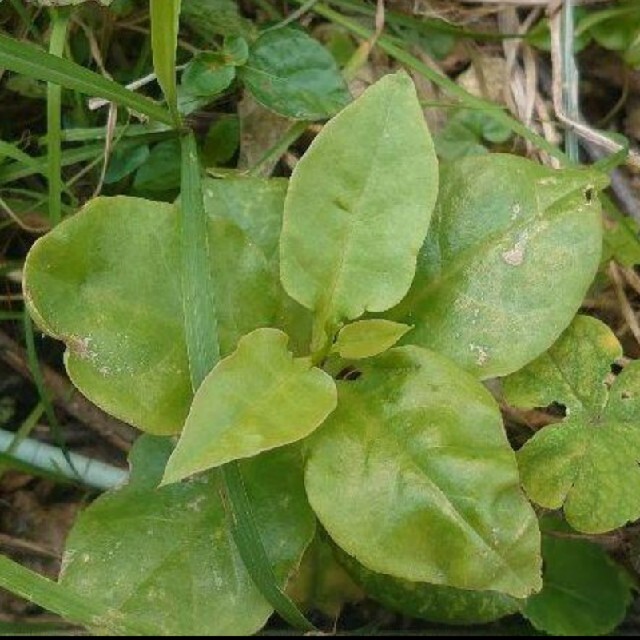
(204, 353)
(442, 81)
(53, 597)
(31, 61)
(59, 25)
(165, 16)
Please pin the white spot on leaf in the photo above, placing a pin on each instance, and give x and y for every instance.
(482, 355)
(515, 255)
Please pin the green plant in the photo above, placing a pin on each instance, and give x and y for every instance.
(393, 469)
(306, 360)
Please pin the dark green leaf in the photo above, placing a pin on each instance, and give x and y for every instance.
(584, 594)
(294, 75)
(222, 141)
(124, 161)
(161, 171)
(435, 603)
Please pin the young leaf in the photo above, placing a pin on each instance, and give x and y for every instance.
(415, 455)
(294, 75)
(257, 399)
(359, 206)
(367, 338)
(511, 252)
(588, 463)
(111, 290)
(165, 560)
(165, 15)
(584, 594)
(436, 603)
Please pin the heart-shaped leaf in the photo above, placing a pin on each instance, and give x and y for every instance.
(107, 282)
(257, 399)
(588, 463)
(414, 477)
(359, 205)
(294, 75)
(483, 293)
(165, 558)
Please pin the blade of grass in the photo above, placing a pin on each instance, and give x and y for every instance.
(165, 15)
(59, 25)
(11, 151)
(203, 350)
(201, 325)
(409, 60)
(31, 61)
(60, 600)
(570, 97)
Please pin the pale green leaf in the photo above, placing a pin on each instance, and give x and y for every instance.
(414, 477)
(294, 75)
(165, 560)
(585, 593)
(367, 338)
(511, 252)
(588, 463)
(165, 15)
(359, 206)
(108, 283)
(435, 603)
(257, 399)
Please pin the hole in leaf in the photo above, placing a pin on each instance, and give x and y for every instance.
(589, 194)
(625, 395)
(616, 369)
(557, 409)
(349, 374)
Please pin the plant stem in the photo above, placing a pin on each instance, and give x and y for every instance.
(59, 25)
